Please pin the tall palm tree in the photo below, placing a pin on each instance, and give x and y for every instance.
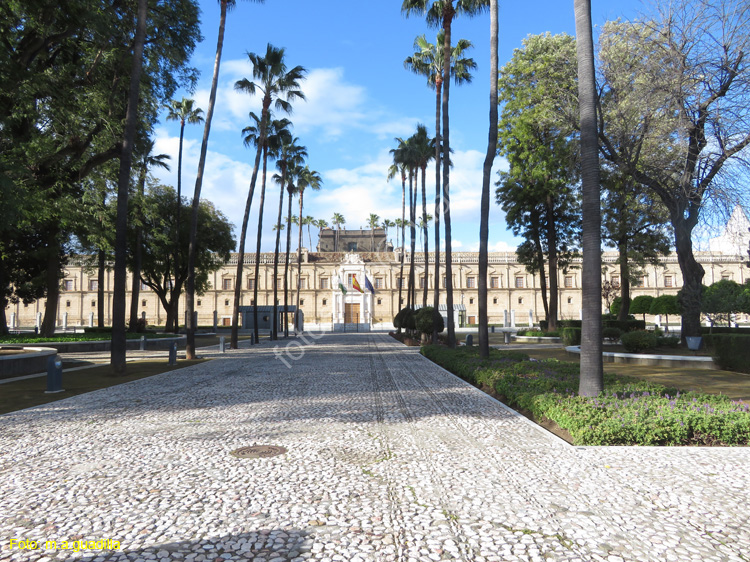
(591, 381)
(441, 13)
(424, 151)
(307, 178)
(190, 285)
(279, 87)
(185, 112)
(337, 220)
(387, 223)
(291, 188)
(145, 161)
(484, 220)
(268, 138)
(309, 221)
(372, 222)
(399, 167)
(290, 155)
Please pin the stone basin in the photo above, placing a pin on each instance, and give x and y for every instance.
(16, 361)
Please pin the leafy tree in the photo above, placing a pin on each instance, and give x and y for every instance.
(665, 304)
(484, 225)
(675, 115)
(190, 286)
(641, 305)
(424, 321)
(440, 13)
(538, 193)
(159, 225)
(724, 299)
(592, 377)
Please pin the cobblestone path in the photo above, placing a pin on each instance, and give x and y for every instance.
(388, 458)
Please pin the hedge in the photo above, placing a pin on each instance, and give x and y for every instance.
(625, 325)
(543, 324)
(633, 342)
(732, 351)
(571, 336)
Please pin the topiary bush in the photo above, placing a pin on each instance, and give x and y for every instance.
(731, 352)
(405, 319)
(611, 334)
(571, 336)
(424, 320)
(635, 342)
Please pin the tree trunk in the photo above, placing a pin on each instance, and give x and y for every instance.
(192, 248)
(542, 271)
(622, 248)
(692, 278)
(489, 159)
(411, 294)
(100, 276)
(137, 256)
(177, 229)
(275, 322)
(591, 378)
(118, 304)
(553, 267)
(234, 336)
(299, 259)
(403, 240)
(426, 241)
(54, 265)
(438, 147)
(286, 264)
(448, 13)
(256, 332)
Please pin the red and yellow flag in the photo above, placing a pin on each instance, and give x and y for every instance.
(355, 284)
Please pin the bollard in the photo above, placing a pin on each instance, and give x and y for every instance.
(507, 337)
(173, 354)
(221, 345)
(469, 340)
(492, 329)
(143, 343)
(54, 375)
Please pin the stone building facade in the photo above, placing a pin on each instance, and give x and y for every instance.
(512, 290)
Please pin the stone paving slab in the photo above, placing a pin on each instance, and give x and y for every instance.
(388, 458)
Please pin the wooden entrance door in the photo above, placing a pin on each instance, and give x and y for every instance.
(351, 313)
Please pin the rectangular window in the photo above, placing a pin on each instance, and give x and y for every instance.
(324, 282)
(519, 282)
(494, 282)
(616, 280)
(400, 283)
(251, 284)
(568, 281)
(226, 284)
(302, 282)
(421, 282)
(350, 280)
(379, 283)
(144, 287)
(640, 282)
(445, 281)
(668, 281)
(93, 284)
(68, 285)
(471, 282)
(726, 277)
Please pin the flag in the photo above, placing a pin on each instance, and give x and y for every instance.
(341, 285)
(369, 286)
(355, 284)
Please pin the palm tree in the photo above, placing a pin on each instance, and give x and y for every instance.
(399, 224)
(308, 222)
(184, 112)
(279, 87)
(291, 188)
(424, 151)
(146, 160)
(190, 285)
(399, 166)
(337, 220)
(306, 178)
(321, 224)
(484, 220)
(372, 222)
(290, 155)
(442, 12)
(591, 382)
(268, 138)
(387, 223)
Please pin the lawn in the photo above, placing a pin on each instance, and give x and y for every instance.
(634, 409)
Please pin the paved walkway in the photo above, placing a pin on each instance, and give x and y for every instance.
(389, 458)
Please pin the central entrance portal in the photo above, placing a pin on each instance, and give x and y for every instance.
(351, 313)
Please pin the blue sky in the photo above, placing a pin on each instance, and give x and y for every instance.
(359, 97)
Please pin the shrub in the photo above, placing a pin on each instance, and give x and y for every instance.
(634, 342)
(612, 334)
(624, 325)
(669, 341)
(571, 336)
(424, 320)
(732, 352)
(614, 308)
(405, 319)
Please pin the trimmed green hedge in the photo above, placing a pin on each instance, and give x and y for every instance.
(543, 324)
(732, 351)
(571, 336)
(625, 325)
(634, 342)
(724, 330)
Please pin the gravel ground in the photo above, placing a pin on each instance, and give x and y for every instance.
(388, 458)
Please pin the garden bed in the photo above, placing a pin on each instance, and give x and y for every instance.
(628, 412)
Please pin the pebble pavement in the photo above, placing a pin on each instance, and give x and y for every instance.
(389, 458)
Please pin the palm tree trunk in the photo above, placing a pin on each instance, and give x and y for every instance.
(234, 337)
(591, 382)
(489, 159)
(426, 241)
(299, 259)
(138, 256)
(412, 240)
(622, 249)
(256, 334)
(100, 276)
(438, 147)
(126, 156)
(192, 249)
(286, 265)
(403, 240)
(275, 322)
(448, 13)
(177, 226)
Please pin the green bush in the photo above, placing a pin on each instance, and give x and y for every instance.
(641, 305)
(724, 330)
(614, 308)
(624, 325)
(543, 324)
(571, 336)
(669, 341)
(536, 333)
(405, 319)
(465, 361)
(634, 342)
(612, 334)
(732, 351)
(424, 320)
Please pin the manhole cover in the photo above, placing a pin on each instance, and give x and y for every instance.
(258, 452)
